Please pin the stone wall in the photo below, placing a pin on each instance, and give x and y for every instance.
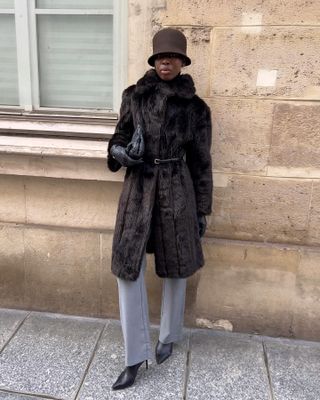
(256, 63)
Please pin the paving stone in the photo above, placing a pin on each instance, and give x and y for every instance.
(224, 367)
(294, 370)
(14, 396)
(9, 321)
(159, 382)
(49, 355)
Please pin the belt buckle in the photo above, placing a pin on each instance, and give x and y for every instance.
(157, 161)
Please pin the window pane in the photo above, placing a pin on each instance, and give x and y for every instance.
(102, 4)
(75, 60)
(9, 94)
(6, 3)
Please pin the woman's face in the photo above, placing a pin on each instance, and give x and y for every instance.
(168, 65)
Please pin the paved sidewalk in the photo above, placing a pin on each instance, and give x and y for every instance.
(52, 356)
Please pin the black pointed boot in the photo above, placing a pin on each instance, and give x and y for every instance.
(127, 376)
(163, 351)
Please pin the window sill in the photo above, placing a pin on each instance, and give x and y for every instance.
(92, 127)
(63, 158)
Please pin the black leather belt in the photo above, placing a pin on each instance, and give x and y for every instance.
(165, 161)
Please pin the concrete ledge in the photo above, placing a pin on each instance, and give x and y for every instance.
(15, 123)
(53, 147)
(56, 158)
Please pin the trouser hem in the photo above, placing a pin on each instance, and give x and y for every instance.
(173, 339)
(137, 360)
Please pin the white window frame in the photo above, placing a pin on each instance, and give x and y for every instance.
(27, 57)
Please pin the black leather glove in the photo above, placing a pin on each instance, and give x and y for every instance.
(119, 153)
(135, 148)
(202, 224)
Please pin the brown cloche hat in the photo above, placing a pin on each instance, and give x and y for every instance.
(169, 40)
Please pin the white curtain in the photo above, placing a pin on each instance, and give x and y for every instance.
(7, 4)
(75, 54)
(9, 92)
(98, 4)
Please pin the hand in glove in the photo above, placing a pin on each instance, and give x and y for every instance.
(119, 153)
(135, 148)
(202, 224)
(132, 154)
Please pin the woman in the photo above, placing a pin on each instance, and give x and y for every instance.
(163, 137)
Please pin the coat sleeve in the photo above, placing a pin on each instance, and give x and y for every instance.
(198, 158)
(124, 129)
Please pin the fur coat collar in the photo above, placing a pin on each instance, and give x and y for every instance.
(181, 86)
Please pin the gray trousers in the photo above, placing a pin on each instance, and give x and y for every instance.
(134, 315)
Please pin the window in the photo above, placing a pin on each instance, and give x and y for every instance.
(62, 55)
(9, 92)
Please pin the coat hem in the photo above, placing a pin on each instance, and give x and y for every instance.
(131, 277)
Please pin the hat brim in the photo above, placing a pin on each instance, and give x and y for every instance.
(151, 60)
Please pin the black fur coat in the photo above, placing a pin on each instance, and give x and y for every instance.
(159, 203)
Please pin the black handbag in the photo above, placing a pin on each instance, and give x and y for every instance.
(135, 148)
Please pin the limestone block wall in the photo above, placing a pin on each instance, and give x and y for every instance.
(55, 241)
(256, 64)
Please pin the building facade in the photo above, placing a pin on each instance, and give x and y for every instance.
(256, 63)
